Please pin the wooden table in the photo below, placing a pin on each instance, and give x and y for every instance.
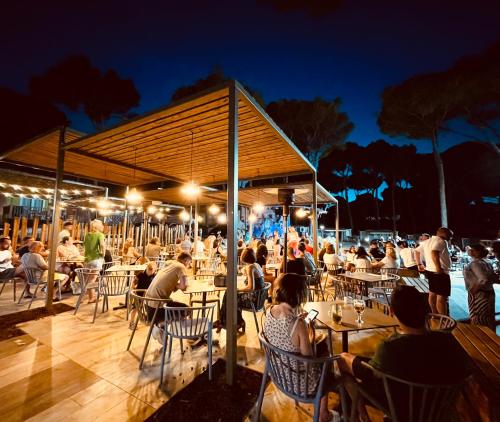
(483, 347)
(367, 279)
(372, 319)
(197, 260)
(206, 286)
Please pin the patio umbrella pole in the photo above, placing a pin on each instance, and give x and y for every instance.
(315, 217)
(56, 211)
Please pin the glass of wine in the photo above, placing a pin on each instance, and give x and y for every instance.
(359, 307)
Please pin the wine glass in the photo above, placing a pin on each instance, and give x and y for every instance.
(359, 307)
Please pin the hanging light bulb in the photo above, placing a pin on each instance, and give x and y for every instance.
(252, 218)
(301, 213)
(184, 215)
(159, 215)
(152, 209)
(88, 191)
(213, 209)
(134, 197)
(258, 207)
(167, 209)
(76, 191)
(200, 219)
(191, 190)
(34, 190)
(103, 203)
(222, 219)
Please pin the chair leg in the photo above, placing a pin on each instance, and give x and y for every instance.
(170, 347)
(255, 318)
(133, 331)
(316, 409)
(33, 296)
(163, 351)
(79, 301)
(343, 403)
(151, 325)
(96, 305)
(261, 394)
(22, 293)
(210, 351)
(3, 285)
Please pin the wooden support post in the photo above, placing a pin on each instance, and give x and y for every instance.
(15, 233)
(43, 235)
(34, 230)
(24, 227)
(6, 229)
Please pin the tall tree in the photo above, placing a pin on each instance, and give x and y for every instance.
(76, 84)
(316, 127)
(418, 109)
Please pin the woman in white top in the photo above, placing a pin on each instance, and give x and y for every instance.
(362, 260)
(389, 261)
(330, 257)
(351, 255)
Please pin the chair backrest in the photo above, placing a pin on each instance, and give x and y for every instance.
(440, 322)
(343, 288)
(116, 285)
(188, 322)
(138, 301)
(363, 270)
(385, 271)
(32, 275)
(415, 402)
(315, 278)
(299, 377)
(258, 297)
(85, 275)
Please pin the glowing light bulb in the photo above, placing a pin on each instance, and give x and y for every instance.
(152, 209)
(213, 209)
(184, 215)
(200, 219)
(252, 218)
(88, 191)
(159, 215)
(103, 203)
(258, 207)
(191, 190)
(134, 197)
(301, 213)
(222, 219)
(34, 190)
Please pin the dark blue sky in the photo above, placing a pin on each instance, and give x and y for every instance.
(353, 52)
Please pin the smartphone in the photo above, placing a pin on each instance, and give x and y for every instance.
(311, 315)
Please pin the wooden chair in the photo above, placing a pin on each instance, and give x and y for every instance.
(408, 401)
(185, 323)
(301, 378)
(438, 322)
(33, 278)
(257, 299)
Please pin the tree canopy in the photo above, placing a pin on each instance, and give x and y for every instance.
(316, 127)
(75, 83)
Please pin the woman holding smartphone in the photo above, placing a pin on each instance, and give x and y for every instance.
(286, 326)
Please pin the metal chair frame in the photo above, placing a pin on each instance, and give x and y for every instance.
(258, 302)
(286, 370)
(314, 284)
(14, 284)
(211, 297)
(444, 322)
(113, 285)
(187, 323)
(429, 403)
(83, 275)
(33, 280)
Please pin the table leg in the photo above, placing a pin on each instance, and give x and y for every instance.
(345, 341)
(15, 284)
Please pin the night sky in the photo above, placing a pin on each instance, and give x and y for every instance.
(352, 52)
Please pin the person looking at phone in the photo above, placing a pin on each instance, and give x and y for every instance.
(287, 328)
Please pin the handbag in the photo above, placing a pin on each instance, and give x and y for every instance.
(220, 280)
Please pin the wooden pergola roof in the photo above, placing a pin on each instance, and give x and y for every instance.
(186, 140)
(268, 195)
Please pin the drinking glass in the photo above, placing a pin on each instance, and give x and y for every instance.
(359, 307)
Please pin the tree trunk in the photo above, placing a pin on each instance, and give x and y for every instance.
(393, 206)
(349, 213)
(440, 173)
(377, 207)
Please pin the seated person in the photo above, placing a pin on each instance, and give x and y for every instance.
(34, 260)
(186, 244)
(351, 255)
(254, 281)
(375, 250)
(25, 246)
(166, 281)
(389, 260)
(414, 354)
(241, 247)
(142, 281)
(330, 257)
(285, 328)
(129, 253)
(293, 264)
(362, 260)
(7, 269)
(67, 251)
(307, 257)
(153, 248)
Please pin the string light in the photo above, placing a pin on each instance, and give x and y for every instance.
(134, 197)
(76, 191)
(301, 213)
(200, 219)
(64, 191)
(258, 207)
(222, 219)
(159, 215)
(16, 187)
(34, 190)
(191, 190)
(184, 215)
(252, 218)
(152, 209)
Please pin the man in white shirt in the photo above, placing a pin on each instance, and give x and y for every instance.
(7, 270)
(437, 267)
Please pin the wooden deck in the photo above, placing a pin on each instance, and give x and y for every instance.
(66, 368)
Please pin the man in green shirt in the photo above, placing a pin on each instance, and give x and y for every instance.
(414, 354)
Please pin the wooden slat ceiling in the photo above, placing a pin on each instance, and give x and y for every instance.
(158, 145)
(42, 153)
(268, 195)
(161, 142)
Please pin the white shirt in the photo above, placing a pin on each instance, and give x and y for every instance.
(332, 258)
(435, 243)
(63, 233)
(5, 260)
(198, 248)
(362, 263)
(408, 257)
(350, 256)
(186, 245)
(389, 262)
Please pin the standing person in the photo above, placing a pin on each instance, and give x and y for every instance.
(95, 249)
(277, 252)
(407, 256)
(479, 278)
(437, 268)
(66, 231)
